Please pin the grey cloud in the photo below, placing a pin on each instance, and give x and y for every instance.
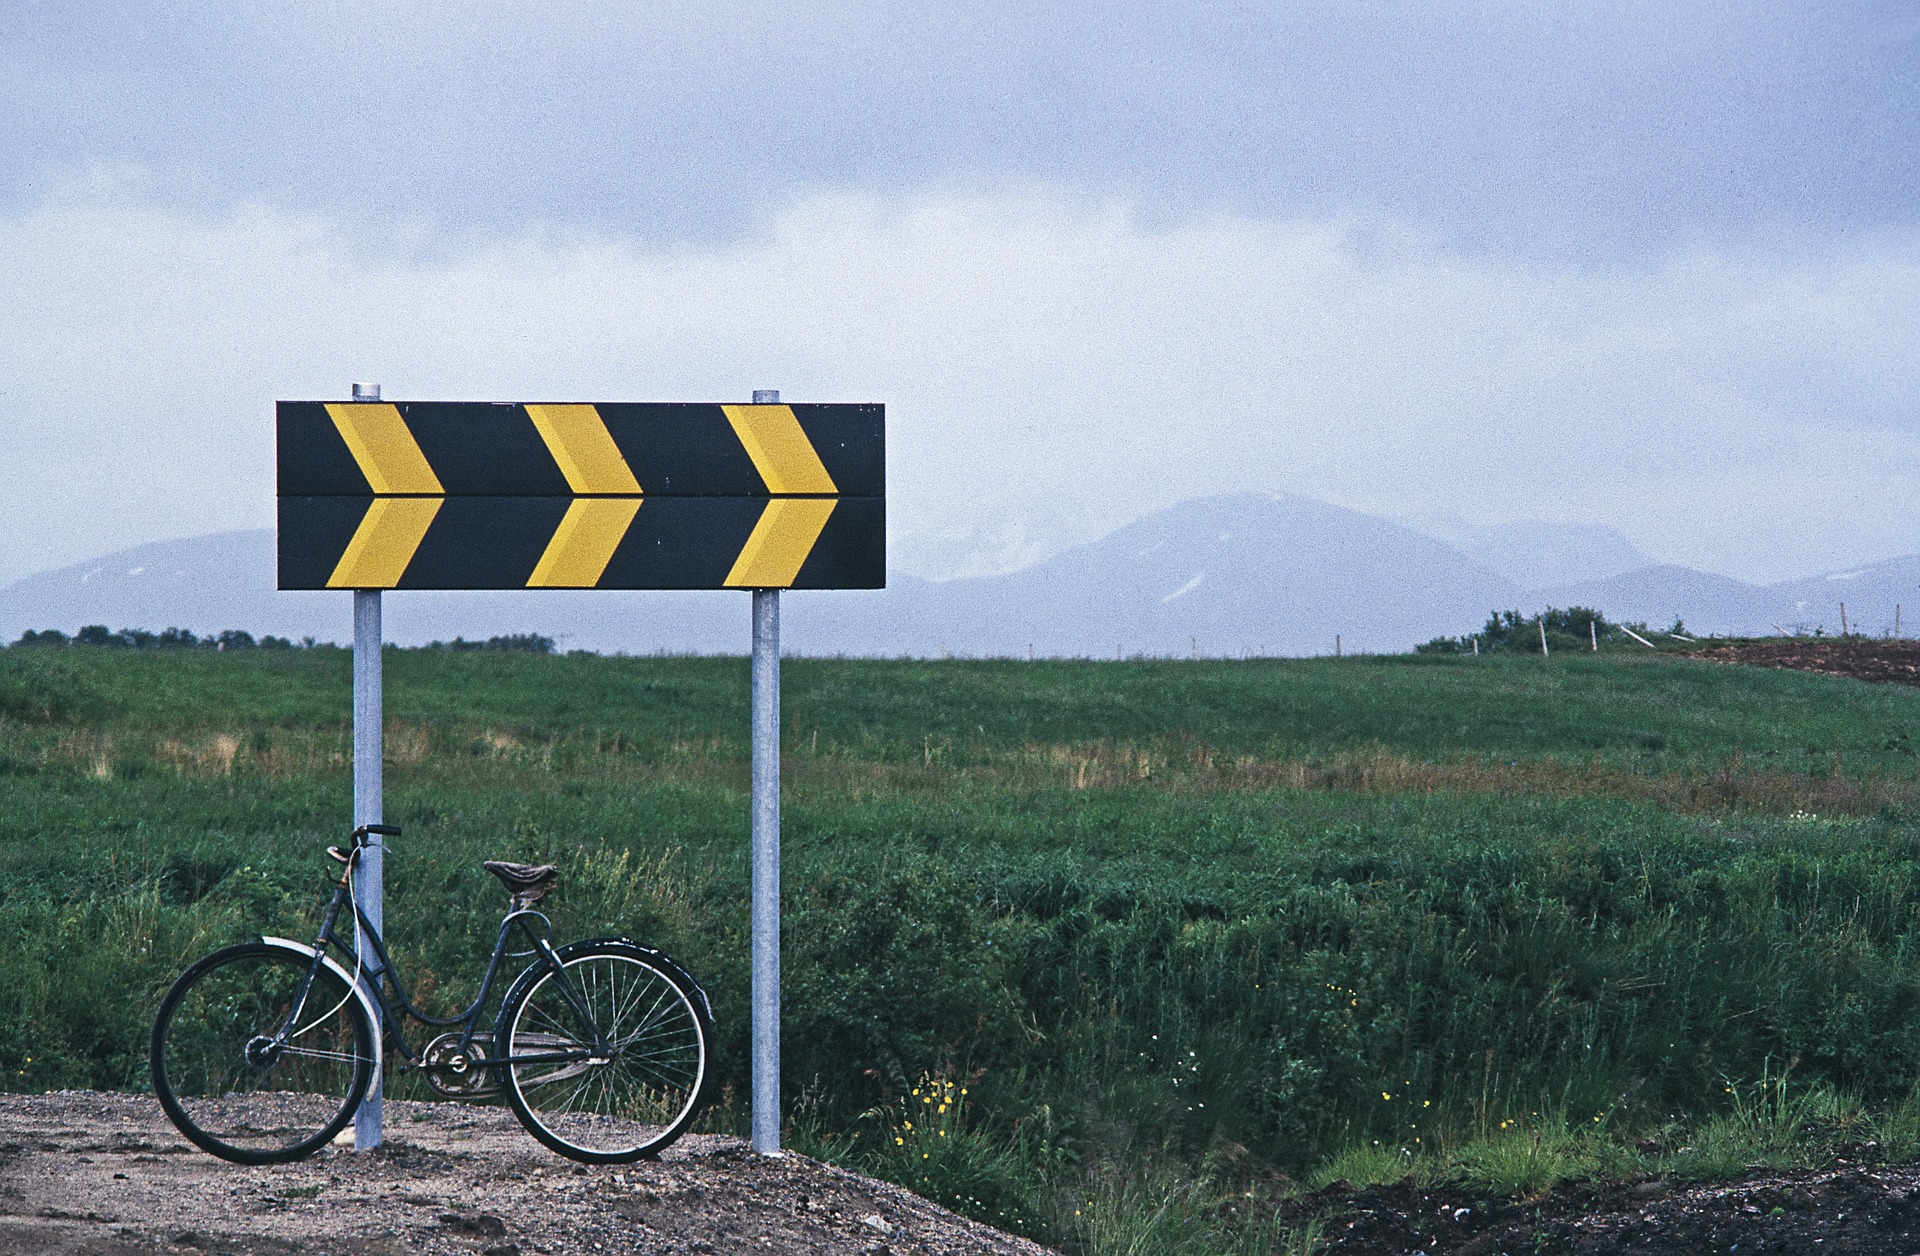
(1559, 130)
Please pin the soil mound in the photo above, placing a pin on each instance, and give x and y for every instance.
(106, 1175)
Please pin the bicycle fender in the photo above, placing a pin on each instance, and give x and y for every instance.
(346, 979)
(660, 957)
(534, 970)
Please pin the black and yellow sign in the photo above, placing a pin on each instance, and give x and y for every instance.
(456, 495)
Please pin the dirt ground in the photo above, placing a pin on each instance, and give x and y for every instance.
(1863, 658)
(107, 1175)
(1845, 1209)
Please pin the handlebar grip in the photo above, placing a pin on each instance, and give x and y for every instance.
(383, 830)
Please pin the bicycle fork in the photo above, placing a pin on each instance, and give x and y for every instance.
(263, 1050)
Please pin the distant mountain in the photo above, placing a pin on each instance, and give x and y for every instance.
(205, 583)
(1719, 604)
(1871, 594)
(1658, 595)
(1535, 554)
(226, 580)
(1224, 576)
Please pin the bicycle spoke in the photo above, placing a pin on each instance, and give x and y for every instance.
(316, 1054)
(586, 1080)
(665, 994)
(647, 1032)
(638, 992)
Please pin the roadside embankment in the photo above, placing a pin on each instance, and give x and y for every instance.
(106, 1175)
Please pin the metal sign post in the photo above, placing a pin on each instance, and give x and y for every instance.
(369, 873)
(766, 871)
(766, 860)
(603, 495)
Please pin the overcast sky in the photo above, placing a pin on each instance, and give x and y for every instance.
(1650, 265)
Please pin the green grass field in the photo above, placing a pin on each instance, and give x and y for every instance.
(1185, 933)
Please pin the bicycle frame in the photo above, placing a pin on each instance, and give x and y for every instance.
(392, 1010)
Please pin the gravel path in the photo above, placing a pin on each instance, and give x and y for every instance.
(107, 1175)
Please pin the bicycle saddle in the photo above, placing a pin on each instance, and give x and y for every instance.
(528, 883)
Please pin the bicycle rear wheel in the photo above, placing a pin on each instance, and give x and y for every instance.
(628, 1104)
(238, 1079)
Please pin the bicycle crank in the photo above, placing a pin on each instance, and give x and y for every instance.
(456, 1073)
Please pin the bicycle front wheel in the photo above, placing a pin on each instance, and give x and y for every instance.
(639, 1096)
(241, 1074)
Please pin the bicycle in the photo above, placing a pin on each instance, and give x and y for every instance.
(262, 1051)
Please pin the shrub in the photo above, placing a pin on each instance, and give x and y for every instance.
(46, 691)
(1510, 632)
(513, 643)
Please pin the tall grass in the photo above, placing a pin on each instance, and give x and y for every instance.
(1178, 952)
(1655, 714)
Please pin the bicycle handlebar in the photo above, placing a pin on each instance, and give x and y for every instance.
(382, 830)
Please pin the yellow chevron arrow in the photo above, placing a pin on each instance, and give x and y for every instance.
(384, 543)
(583, 544)
(578, 439)
(781, 541)
(780, 450)
(387, 453)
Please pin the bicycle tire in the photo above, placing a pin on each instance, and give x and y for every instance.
(278, 1105)
(635, 1103)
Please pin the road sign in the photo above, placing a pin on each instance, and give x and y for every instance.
(452, 495)
(457, 495)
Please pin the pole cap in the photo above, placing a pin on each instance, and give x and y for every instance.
(366, 392)
(766, 396)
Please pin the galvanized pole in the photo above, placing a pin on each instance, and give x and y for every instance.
(367, 750)
(766, 859)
